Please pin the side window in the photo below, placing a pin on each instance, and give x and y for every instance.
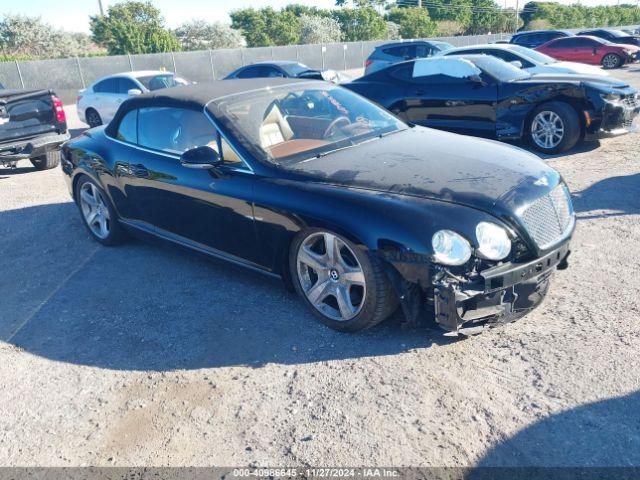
(523, 39)
(403, 72)
(126, 84)
(160, 129)
(110, 85)
(586, 43)
(405, 52)
(128, 128)
(251, 72)
(272, 72)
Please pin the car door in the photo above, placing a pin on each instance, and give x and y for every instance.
(207, 209)
(451, 102)
(107, 98)
(562, 49)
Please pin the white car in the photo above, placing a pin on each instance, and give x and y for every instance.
(527, 59)
(98, 103)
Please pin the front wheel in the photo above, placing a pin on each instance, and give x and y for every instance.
(98, 214)
(554, 127)
(611, 60)
(345, 287)
(93, 118)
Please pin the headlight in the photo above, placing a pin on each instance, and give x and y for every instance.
(493, 241)
(450, 248)
(611, 97)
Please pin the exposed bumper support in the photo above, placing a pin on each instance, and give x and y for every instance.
(499, 295)
(34, 147)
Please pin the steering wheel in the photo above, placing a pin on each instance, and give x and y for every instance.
(331, 129)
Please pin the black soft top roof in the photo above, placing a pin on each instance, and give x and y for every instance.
(193, 97)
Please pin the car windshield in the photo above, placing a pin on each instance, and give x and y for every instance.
(164, 80)
(295, 69)
(534, 55)
(442, 46)
(288, 124)
(499, 69)
(618, 33)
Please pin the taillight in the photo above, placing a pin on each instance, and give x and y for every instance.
(368, 62)
(58, 109)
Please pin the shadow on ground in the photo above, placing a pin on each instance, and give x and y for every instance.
(610, 197)
(144, 306)
(600, 434)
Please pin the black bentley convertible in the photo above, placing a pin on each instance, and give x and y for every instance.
(353, 208)
(485, 96)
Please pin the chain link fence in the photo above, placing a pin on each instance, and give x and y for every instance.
(68, 75)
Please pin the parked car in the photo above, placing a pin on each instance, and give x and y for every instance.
(287, 69)
(33, 125)
(614, 36)
(591, 50)
(97, 104)
(484, 96)
(527, 59)
(535, 38)
(311, 183)
(390, 53)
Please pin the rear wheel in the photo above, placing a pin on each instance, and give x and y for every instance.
(93, 118)
(345, 287)
(47, 161)
(554, 127)
(98, 214)
(611, 60)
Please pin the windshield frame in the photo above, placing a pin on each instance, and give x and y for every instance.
(258, 154)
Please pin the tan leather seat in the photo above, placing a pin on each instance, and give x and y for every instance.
(275, 128)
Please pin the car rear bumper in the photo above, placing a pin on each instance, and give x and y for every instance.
(30, 148)
(499, 295)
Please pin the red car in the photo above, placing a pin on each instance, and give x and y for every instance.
(593, 50)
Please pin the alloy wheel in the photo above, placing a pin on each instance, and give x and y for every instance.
(610, 61)
(95, 210)
(93, 119)
(331, 276)
(547, 129)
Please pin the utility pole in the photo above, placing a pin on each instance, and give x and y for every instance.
(101, 9)
(515, 26)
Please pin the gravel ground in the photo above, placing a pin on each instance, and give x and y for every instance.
(145, 355)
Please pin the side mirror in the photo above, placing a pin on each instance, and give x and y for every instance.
(134, 91)
(516, 63)
(203, 157)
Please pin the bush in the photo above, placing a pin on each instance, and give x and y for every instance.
(413, 22)
(314, 29)
(448, 28)
(200, 35)
(360, 24)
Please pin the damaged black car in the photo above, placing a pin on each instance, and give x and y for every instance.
(357, 211)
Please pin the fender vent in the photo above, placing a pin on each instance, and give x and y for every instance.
(550, 218)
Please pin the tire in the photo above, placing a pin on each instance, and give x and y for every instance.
(47, 161)
(375, 300)
(611, 61)
(93, 118)
(559, 115)
(113, 234)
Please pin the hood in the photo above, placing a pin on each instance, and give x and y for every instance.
(608, 82)
(431, 164)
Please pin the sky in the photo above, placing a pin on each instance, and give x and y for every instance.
(73, 15)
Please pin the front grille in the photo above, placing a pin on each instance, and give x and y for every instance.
(630, 101)
(549, 218)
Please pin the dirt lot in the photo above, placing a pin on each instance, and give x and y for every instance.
(144, 355)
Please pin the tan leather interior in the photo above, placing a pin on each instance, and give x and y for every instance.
(294, 146)
(275, 128)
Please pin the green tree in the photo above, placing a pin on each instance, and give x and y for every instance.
(413, 22)
(200, 35)
(359, 24)
(486, 14)
(132, 27)
(266, 27)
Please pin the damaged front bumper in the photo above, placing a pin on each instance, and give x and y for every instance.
(497, 295)
(617, 119)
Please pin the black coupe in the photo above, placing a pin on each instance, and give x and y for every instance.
(309, 182)
(485, 96)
